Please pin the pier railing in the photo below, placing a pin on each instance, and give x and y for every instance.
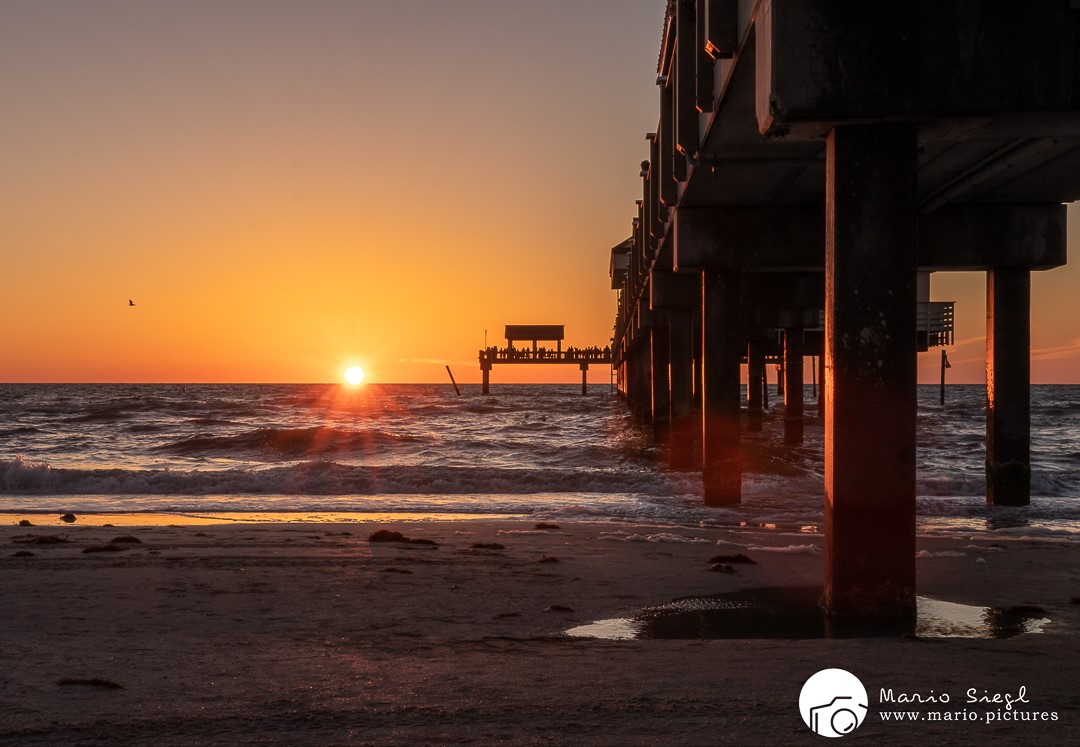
(543, 355)
(935, 320)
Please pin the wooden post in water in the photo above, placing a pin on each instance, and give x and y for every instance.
(944, 365)
(455, 383)
(584, 383)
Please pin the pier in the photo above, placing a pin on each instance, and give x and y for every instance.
(537, 354)
(813, 164)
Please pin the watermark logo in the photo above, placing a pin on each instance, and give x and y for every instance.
(833, 702)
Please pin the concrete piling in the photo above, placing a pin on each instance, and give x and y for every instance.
(680, 340)
(1008, 407)
(793, 386)
(660, 384)
(721, 348)
(755, 386)
(870, 371)
(821, 385)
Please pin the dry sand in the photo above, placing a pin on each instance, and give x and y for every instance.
(308, 634)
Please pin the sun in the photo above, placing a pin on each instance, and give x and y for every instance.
(354, 375)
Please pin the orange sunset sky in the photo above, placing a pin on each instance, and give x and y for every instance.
(286, 188)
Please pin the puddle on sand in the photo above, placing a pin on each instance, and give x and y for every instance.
(793, 613)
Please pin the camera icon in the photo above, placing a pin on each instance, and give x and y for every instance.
(833, 703)
(840, 716)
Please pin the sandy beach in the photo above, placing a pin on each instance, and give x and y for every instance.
(275, 633)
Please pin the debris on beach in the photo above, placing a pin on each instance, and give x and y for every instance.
(385, 535)
(89, 682)
(396, 570)
(44, 539)
(105, 548)
(126, 538)
(558, 608)
(25, 523)
(737, 558)
(722, 568)
(546, 525)
(69, 518)
(487, 546)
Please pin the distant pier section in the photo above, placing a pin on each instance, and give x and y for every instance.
(534, 334)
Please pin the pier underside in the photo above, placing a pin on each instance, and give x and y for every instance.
(813, 164)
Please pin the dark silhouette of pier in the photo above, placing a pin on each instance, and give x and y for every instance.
(813, 164)
(535, 334)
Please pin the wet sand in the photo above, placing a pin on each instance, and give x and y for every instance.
(309, 634)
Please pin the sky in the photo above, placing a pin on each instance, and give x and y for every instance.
(288, 188)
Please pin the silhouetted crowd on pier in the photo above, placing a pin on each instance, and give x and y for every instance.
(570, 355)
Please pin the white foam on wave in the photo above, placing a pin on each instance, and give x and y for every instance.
(22, 476)
(788, 549)
(940, 554)
(658, 537)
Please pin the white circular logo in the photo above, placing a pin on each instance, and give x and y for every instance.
(833, 702)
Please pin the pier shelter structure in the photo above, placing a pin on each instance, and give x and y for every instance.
(536, 354)
(812, 164)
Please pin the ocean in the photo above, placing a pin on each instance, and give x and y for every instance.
(537, 451)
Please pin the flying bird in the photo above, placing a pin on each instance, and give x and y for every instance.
(130, 302)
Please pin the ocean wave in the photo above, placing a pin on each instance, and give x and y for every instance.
(21, 476)
(548, 453)
(101, 415)
(21, 431)
(120, 411)
(1059, 484)
(147, 428)
(287, 442)
(951, 485)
